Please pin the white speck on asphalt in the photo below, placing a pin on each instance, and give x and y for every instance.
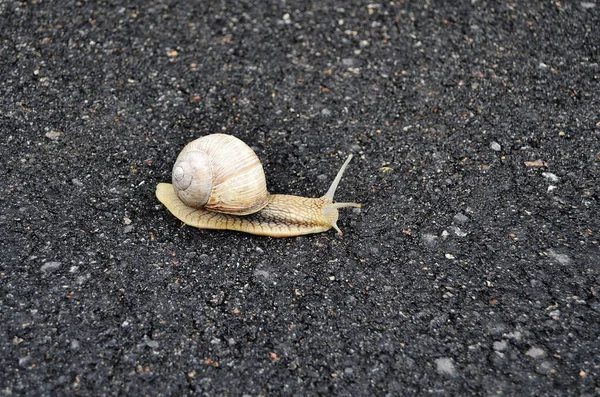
(560, 258)
(535, 352)
(50, 266)
(550, 176)
(500, 345)
(445, 366)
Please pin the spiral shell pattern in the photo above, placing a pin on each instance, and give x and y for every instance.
(220, 173)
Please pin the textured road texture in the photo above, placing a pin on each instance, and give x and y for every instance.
(473, 267)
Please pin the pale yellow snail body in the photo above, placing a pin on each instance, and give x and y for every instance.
(219, 183)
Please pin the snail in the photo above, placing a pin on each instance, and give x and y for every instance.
(218, 183)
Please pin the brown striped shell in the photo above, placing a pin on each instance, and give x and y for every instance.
(220, 173)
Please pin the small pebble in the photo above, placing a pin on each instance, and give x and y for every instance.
(461, 218)
(535, 283)
(438, 321)
(429, 239)
(24, 360)
(262, 273)
(495, 146)
(128, 229)
(458, 231)
(536, 163)
(348, 62)
(50, 266)
(544, 368)
(63, 379)
(496, 329)
(500, 346)
(82, 279)
(560, 258)
(53, 135)
(205, 259)
(445, 366)
(550, 176)
(535, 352)
(517, 335)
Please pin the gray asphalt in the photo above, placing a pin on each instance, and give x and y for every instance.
(472, 268)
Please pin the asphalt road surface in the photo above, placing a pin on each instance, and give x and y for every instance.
(473, 267)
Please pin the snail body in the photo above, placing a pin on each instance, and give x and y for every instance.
(238, 199)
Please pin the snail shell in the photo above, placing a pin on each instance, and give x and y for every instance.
(220, 173)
